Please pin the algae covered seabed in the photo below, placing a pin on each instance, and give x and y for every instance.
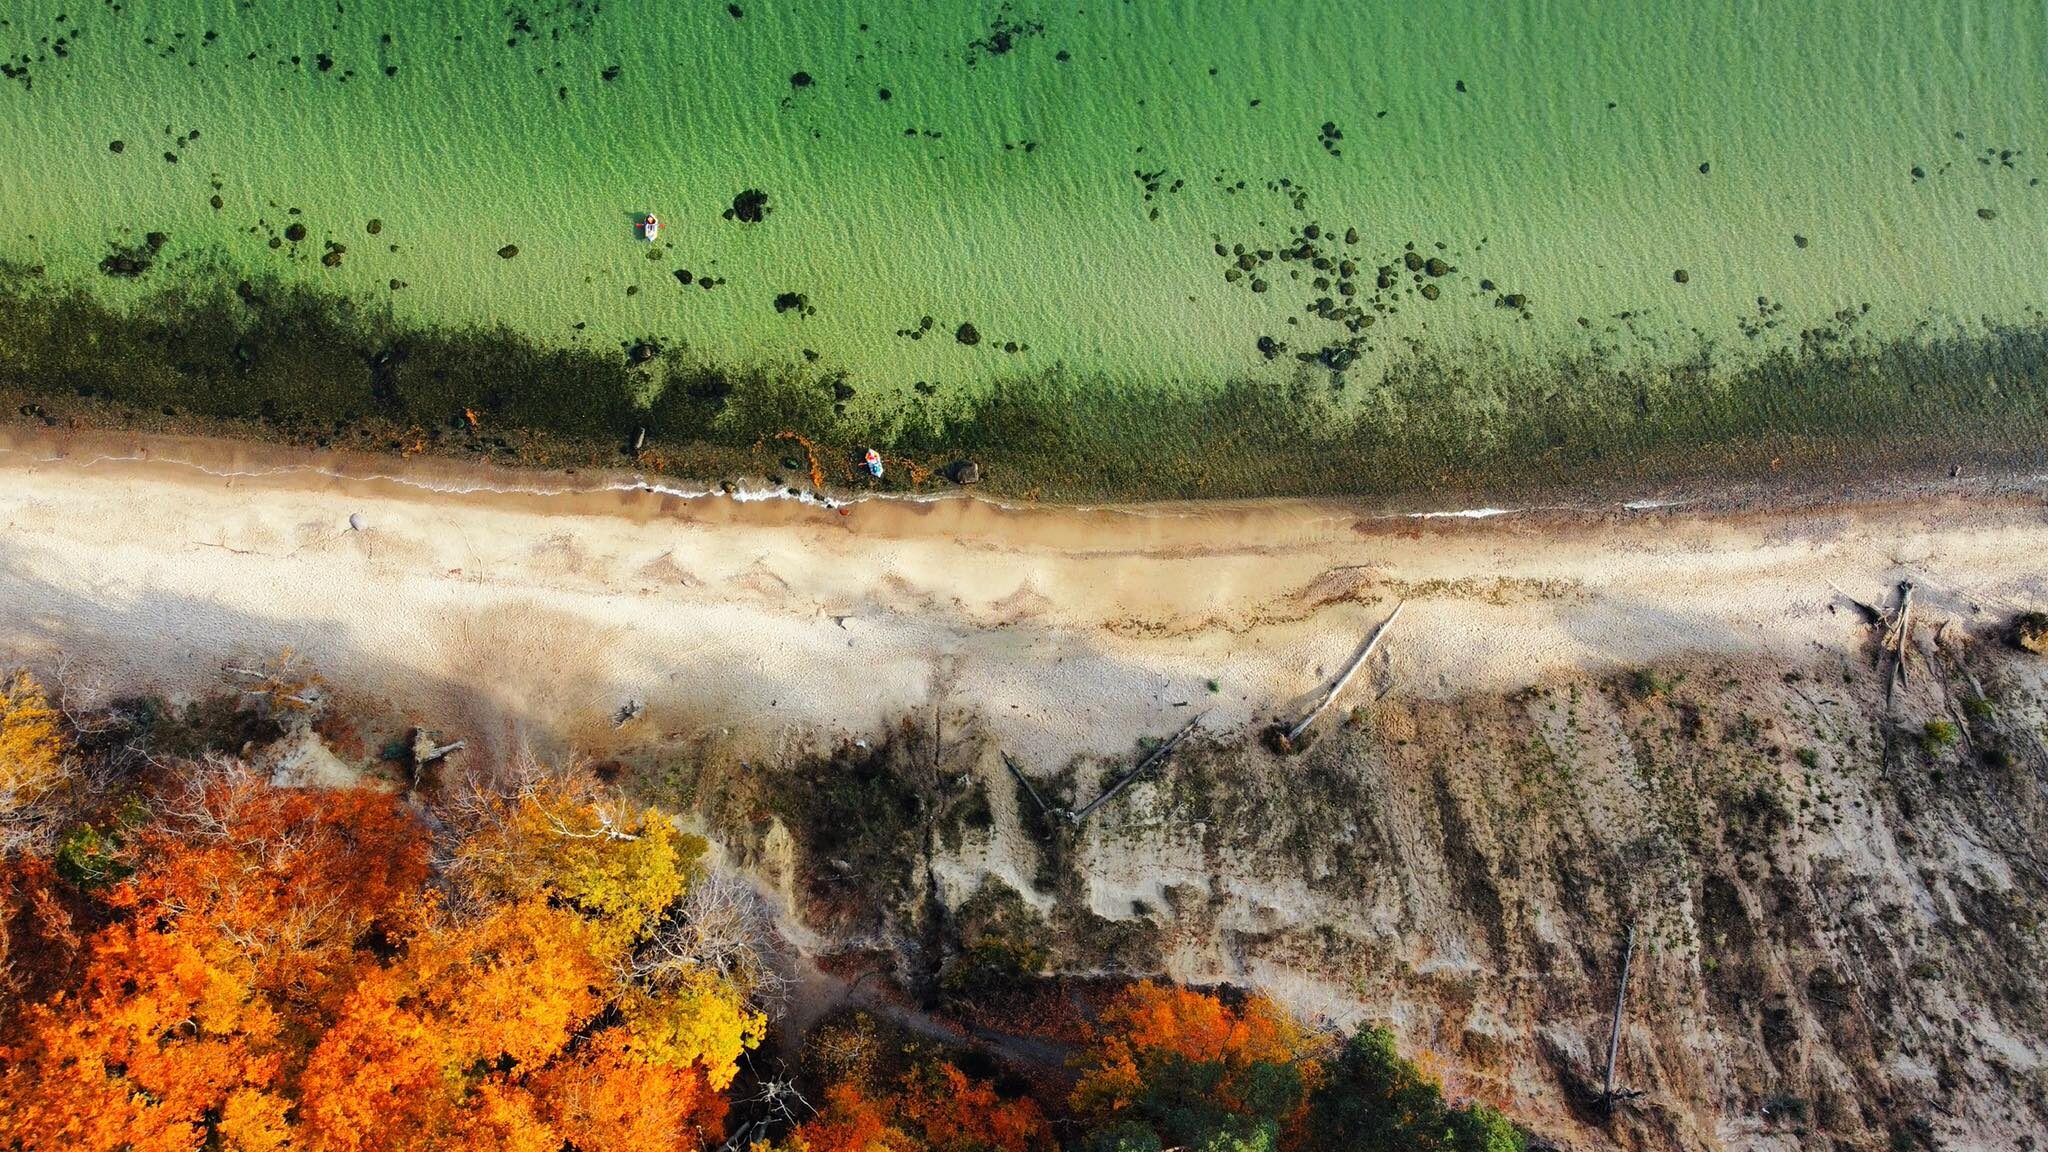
(1133, 249)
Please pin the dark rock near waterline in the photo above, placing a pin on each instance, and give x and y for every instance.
(508, 251)
(749, 207)
(133, 261)
(841, 391)
(967, 334)
(1271, 348)
(640, 352)
(963, 472)
(295, 232)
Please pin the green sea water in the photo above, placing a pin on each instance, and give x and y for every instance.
(1653, 182)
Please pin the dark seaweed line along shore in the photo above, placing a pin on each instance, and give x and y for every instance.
(283, 363)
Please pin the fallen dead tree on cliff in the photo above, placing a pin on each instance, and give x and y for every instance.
(1287, 740)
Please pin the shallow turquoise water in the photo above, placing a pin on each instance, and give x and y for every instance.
(999, 188)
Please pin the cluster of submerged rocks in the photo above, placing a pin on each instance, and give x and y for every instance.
(1343, 286)
(130, 261)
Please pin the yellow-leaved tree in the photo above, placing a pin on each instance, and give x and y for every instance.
(32, 749)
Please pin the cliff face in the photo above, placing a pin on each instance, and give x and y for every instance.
(1838, 936)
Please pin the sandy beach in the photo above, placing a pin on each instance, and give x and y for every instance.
(535, 613)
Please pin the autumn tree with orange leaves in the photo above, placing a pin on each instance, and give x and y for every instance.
(935, 1107)
(280, 968)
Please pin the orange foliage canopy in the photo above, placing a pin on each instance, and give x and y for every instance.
(276, 973)
(1150, 1022)
(936, 1108)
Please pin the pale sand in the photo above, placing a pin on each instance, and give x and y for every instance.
(498, 615)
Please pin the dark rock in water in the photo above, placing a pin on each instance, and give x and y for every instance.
(1486, 285)
(116, 146)
(332, 259)
(397, 284)
(1431, 291)
(1514, 300)
(1681, 276)
(749, 207)
(1435, 266)
(1259, 285)
(1412, 261)
(642, 351)
(170, 157)
(800, 80)
(508, 251)
(632, 289)
(609, 74)
(156, 240)
(793, 302)
(1703, 167)
(295, 232)
(1271, 348)
(883, 93)
(1461, 85)
(374, 226)
(964, 472)
(967, 334)
(683, 277)
(734, 11)
(1919, 173)
(925, 322)
(1351, 235)
(1063, 55)
(1987, 214)
(216, 201)
(842, 391)
(1313, 232)
(1798, 241)
(127, 262)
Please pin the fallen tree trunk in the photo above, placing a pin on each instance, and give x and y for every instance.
(1285, 741)
(1158, 754)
